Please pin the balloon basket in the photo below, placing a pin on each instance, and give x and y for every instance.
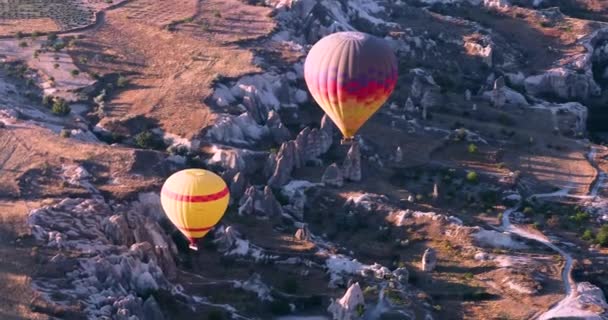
(192, 244)
(347, 141)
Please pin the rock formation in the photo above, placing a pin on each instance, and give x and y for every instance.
(225, 238)
(429, 260)
(259, 203)
(351, 168)
(350, 306)
(333, 176)
(238, 186)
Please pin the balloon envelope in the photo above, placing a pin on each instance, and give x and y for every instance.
(350, 75)
(194, 200)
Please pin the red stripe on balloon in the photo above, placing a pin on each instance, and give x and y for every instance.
(205, 198)
(196, 229)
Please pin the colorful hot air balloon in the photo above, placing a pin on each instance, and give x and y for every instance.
(194, 200)
(350, 75)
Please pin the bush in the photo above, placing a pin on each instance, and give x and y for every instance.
(472, 148)
(58, 46)
(145, 140)
(52, 37)
(60, 107)
(56, 65)
(602, 237)
(587, 235)
(65, 133)
(472, 177)
(217, 14)
(122, 82)
(528, 211)
(23, 44)
(580, 217)
(360, 310)
(74, 72)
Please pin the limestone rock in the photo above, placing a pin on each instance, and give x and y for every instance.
(328, 127)
(286, 160)
(279, 132)
(398, 154)
(429, 260)
(467, 95)
(347, 307)
(271, 206)
(259, 203)
(351, 168)
(302, 234)
(563, 83)
(402, 275)
(499, 98)
(225, 238)
(152, 310)
(237, 186)
(117, 230)
(333, 176)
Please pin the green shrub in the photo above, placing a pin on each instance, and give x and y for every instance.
(360, 310)
(528, 211)
(52, 37)
(602, 236)
(472, 176)
(60, 107)
(74, 72)
(23, 44)
(56, 65)
(65, 133)
(472, 148)
(58, 46)
(145, 140)
(587, 235)
(217, 14)
(580, 217)
(469, 276)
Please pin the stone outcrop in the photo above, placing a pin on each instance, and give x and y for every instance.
(351, 168)
(238, 186)
(333, 176)
(349, 306)
(116, 255)
(429, 260)
(302, 234)
(259, 203)
(225, 238)
(278, 131)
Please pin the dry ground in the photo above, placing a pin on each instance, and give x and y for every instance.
(170, 72)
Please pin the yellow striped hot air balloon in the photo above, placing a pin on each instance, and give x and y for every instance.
(194, 200)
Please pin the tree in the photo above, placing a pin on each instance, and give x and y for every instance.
(60, 107)
(587, 235)
(602, 237)
(472, 148)
(472, 176)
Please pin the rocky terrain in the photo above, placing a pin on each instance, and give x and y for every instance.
(486, 202)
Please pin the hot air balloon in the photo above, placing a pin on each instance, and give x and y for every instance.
(350, 75)
(194, 200)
